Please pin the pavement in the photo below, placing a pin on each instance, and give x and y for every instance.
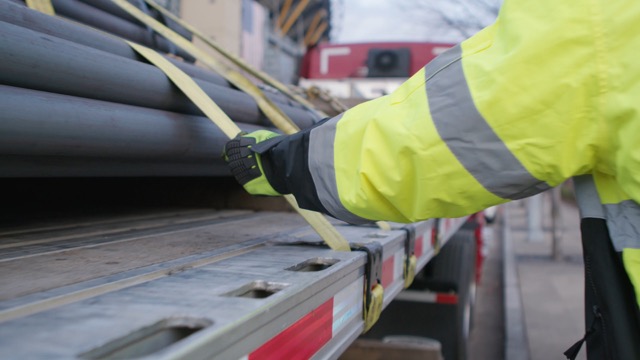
(543, 293)
(487, 337)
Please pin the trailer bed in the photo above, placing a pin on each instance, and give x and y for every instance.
(189, 283)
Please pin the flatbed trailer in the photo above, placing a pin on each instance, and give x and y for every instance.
(195, 284)
(122, 235)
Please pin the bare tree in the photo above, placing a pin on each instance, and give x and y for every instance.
(466, 17)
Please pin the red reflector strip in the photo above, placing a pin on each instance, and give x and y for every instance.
(302, 339)
(447, 225)
(419, 246)
(387, 272)
(442, 298)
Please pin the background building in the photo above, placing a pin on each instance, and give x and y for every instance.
(272, 35)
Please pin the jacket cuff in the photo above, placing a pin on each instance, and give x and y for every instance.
(285, 164)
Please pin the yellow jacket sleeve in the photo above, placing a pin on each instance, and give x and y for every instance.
(547, 92)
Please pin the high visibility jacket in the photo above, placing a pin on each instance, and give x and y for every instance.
(550, 91)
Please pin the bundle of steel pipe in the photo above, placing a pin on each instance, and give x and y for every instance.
(78, 70)
(57, 27)
(73, 110)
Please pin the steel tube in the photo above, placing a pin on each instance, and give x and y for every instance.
(78, 70)
(67, 30)
(45, 134)
(57, 167)
(81, 12)
(22, 16)
(113, 9)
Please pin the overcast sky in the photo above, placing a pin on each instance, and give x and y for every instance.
(388, 20)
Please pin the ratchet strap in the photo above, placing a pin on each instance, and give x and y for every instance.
(186, 84)
(410, 260)
(44, 6)
(373, 290)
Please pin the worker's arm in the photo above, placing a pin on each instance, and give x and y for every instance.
(507, 114)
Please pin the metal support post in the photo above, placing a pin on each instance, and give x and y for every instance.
(534, 218)
(556, 224)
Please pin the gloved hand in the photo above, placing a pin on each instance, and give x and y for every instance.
(244, 162)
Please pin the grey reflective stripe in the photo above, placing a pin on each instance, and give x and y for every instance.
(623, 221)
(321, 166)
(467, 134)
(587, 197)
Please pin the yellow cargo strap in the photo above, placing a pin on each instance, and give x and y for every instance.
(334, 102)
(44, 6)
(373, 311)
(277, 117)
(236, 59)
(247, 86)
(328, 233)
(373, 289)
(383, 225)
(191, 89)
(409, 268)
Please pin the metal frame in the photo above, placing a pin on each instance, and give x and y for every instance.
(203, 288)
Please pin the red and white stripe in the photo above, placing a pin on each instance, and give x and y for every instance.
(429, 297)
(441, 298)
(423, 245)
(392, 269)
(308, 335)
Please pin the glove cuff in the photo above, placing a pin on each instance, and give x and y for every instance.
(260, 185)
